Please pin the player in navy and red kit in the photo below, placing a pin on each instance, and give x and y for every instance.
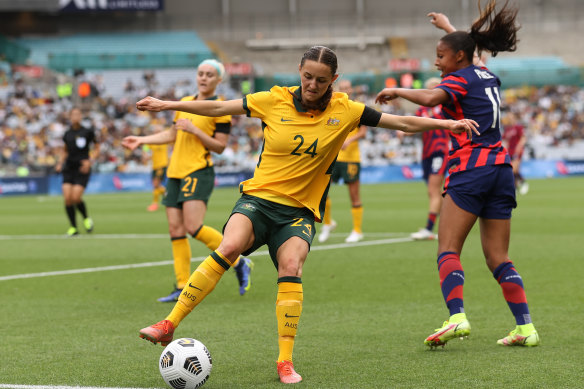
(434, 156)
(480, 184)
(514, 140)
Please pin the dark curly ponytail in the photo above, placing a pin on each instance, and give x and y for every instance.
(500, 33)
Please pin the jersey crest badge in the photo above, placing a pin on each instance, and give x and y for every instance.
(332, 122)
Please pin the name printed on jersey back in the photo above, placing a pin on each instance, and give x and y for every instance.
(483, 74)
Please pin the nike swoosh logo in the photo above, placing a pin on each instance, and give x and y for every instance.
(194, 287)
(285, 120)
(286, 315)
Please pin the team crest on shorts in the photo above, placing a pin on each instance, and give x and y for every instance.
(248, 206)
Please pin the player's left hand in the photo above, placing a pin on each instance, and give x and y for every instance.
(131, 142)
(85, 166)
(186, 125)
(150, 104)
(465, 125)
(386, 95)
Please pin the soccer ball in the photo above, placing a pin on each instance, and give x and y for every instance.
(185, 364)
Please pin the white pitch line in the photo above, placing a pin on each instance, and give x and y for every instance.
(10, 386)
(148, 236)
(197, 259)
(85, 237)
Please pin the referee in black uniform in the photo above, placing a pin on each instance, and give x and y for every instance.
(75, 164)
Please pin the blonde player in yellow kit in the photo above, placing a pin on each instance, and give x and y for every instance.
(159, 159)
(304, 129)
(191, 177)
(347, 167)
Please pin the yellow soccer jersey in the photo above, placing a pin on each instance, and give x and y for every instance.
(299, 146)
(159, 156)
(189, 154)
(351, 153)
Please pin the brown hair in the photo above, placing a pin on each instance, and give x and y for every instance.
(500, 33)
(328, 57)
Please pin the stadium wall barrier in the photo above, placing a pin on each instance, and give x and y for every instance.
(141, 182)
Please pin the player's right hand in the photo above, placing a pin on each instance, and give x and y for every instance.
(131, 142)
(441, 21)
(386, 95)
(464, 125)
(150, 104)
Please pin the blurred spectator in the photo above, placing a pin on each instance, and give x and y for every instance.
(32, 123)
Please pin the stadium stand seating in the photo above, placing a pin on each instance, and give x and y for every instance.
(12, 51)
(118, 50)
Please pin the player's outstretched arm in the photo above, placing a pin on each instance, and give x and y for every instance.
(413, 124)
(441, 21)
(424, 97)
(132, 142)
(212, 108)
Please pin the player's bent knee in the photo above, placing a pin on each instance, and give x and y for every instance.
(289, 267)
(230, 249)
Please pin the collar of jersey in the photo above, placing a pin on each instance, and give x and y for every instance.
(296, 99)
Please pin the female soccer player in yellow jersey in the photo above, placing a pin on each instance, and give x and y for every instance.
(191, 177)
(304, 129)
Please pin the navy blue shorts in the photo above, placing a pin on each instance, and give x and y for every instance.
(486, 191)
(435, 164)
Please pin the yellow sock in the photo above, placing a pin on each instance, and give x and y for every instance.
(181, 253)
(357, 213)
(156, 193)
(288, 310)
(200, 284)
(211, 238)
(327, 212)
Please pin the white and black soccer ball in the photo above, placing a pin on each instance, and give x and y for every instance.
(185, 364)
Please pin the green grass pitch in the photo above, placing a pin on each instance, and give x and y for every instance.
(367, 308)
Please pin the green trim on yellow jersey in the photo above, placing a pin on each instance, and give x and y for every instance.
(296, 98)
(299, 146)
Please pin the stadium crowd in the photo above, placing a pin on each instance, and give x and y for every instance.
(33, 121)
